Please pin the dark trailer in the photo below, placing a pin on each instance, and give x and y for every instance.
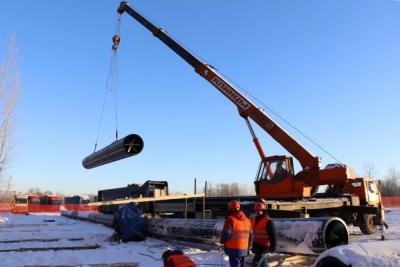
(148, 189)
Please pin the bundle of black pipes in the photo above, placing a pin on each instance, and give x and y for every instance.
(294, 235)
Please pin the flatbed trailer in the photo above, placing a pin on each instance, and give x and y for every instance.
(347, 207)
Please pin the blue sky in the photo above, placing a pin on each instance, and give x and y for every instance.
(329, 67)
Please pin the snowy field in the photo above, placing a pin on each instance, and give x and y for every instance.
(53, 240)
(82, 243)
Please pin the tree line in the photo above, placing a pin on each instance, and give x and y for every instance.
(231, 189)
(390, 186)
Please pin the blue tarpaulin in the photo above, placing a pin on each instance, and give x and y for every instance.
(129, 223)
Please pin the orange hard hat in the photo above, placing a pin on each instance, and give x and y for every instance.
(234, 204)
(259, 206)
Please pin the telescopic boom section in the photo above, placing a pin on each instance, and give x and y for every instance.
(245, 106)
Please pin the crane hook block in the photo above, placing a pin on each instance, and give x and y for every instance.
(116, 40)
(125, 147)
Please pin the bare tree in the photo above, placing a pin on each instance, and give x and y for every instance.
(35, 191)
(223, 189)
(247, 189)
(390, 186)
(9, 184)
(9, 91)
(369, 169)
(232, 189)
(211, 190)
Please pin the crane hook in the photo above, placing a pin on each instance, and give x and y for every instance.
(116, 39)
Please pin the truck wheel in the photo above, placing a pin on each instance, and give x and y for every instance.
(366, 224)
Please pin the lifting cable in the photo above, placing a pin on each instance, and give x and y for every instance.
(112, 81)
(271, 110)
(284, 120)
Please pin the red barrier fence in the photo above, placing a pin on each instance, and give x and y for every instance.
(388, 202)
(37, 208)
(43, 208)
(6, 207)
(391, 202)
(24, 208)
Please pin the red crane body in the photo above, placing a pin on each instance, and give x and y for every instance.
(268, 184)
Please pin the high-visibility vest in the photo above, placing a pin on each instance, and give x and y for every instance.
(180, 261)
(260, 235)
(240, 232)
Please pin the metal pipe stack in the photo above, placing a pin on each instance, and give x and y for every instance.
(294, 235)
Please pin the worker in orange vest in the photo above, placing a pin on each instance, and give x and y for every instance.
(176, 258)
(236, 234)
(264, 239)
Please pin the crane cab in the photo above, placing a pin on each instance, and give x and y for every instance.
(275, 169)
(275, 179)
(367, 190)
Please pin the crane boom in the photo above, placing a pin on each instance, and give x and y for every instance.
(246, 108)
(275, 177)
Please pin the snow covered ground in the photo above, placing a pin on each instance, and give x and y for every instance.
(40, 231)
(392, 218)
(24, 241)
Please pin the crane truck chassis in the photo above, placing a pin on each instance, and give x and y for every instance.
(355, 199)
(347, 207)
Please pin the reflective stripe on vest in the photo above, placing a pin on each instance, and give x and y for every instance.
(260, 231)
(181, 261)
(240, 233)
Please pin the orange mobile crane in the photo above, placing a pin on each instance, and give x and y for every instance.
(276, 179)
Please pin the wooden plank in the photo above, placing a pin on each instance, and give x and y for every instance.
(95, 246)
(127, 264)
(23, 225)
(309, 204)
(39, 240)
(301, 260)
(145, 199)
